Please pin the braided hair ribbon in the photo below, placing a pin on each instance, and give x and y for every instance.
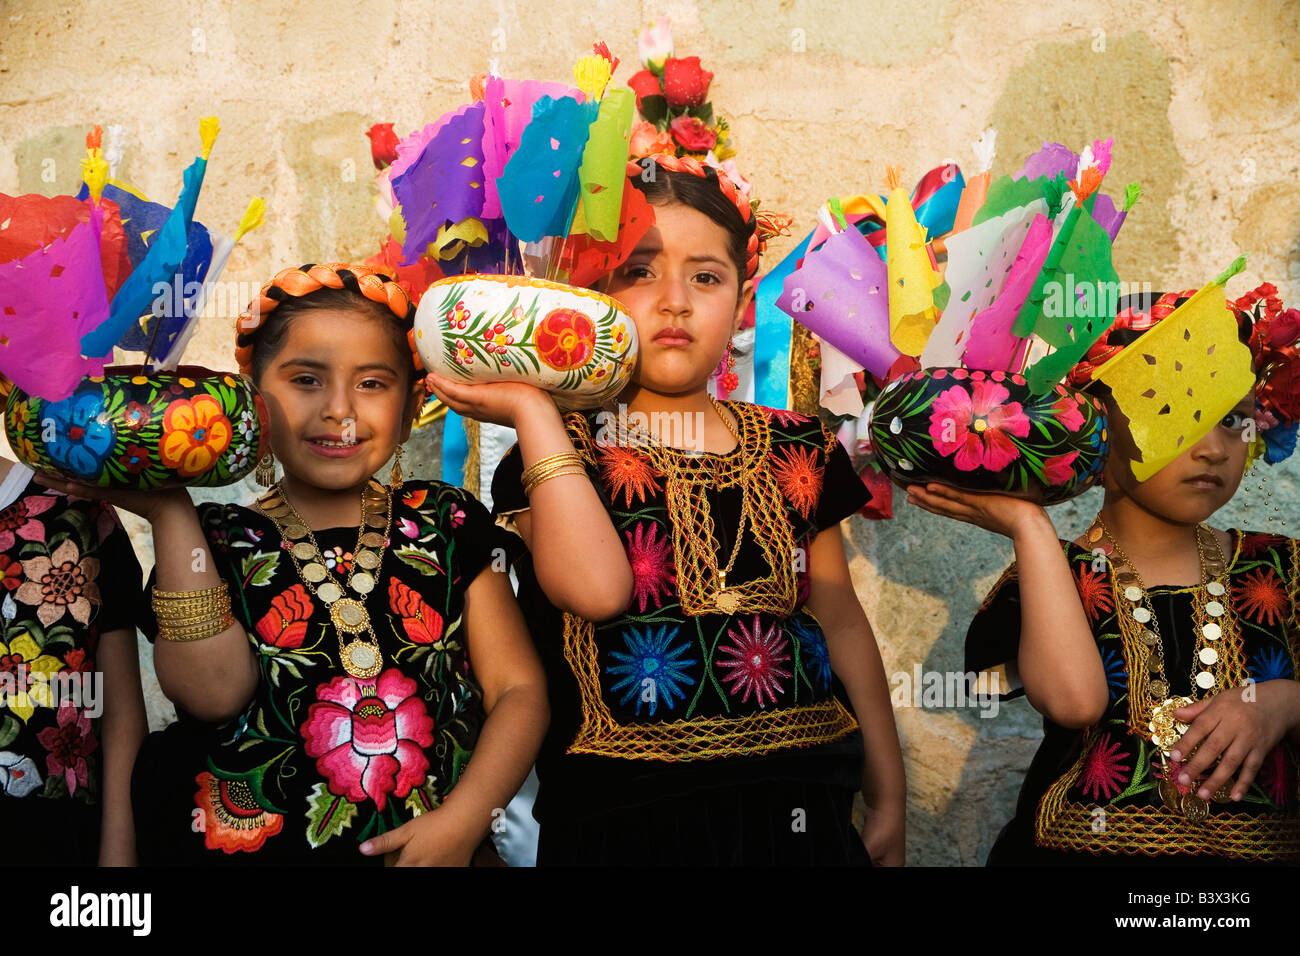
(374, 283)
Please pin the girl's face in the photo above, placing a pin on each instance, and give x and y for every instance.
(685, 297)
(338, 397)
(1198, 482)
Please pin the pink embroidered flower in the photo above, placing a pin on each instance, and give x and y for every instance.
(19, 519)
(456, 517)
(407, 527)
(1057, 470)
(756, 659)
(1104, 771)
(368, 736)
(651, 558)
(784, 417)
(973, 427)
(69, 744)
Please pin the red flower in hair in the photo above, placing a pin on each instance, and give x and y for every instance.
(693, 135)
(644, 84)
(686, 83)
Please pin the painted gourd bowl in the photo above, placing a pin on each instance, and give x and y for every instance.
(128, 429)
(577, 344)
(986, 432)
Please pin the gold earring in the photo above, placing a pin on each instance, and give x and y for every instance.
(395, 476)
(265, 474)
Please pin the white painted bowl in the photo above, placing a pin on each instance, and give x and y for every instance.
(577, 344)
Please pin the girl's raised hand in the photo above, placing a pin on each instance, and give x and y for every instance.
(1001, 514)
(501, 403)
(146, 504)
(1238, 727)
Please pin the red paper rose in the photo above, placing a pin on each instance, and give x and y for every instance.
(686, 83)
(644, 84)
(383, 145)
(693, 135)
(648, 139)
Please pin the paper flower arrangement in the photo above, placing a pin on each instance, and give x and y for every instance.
(500, 211)
(107, 268)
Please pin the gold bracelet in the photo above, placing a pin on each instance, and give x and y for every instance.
(544, 465)
(557, 473)
(198, 631)
(168, 612)
(197, 593)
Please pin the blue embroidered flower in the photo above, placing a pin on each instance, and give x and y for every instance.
(1116, 675)
(652, 669)
(813, 652)
(1271, 663)
(81, 441)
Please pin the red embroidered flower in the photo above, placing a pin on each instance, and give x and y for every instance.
(19, 519)
(651, 558)
(1277, 778)
(973, 426)
(756, 659)
(232, 819)
(1094, 590)
(423, 625)
(1262, 596)
(415, 499)
(11, 573)
(285, 625)
(799, 476)
(692, 135)
(1104, 771)
(786, 418)
(76, 662)
(565, 339)
(368, 737)
(69, 744)
(624, 470)
(1253, 545)
(686, 83)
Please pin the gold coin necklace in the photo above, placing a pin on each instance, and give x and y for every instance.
(1165, 729)
(665, 458)
(360, 656)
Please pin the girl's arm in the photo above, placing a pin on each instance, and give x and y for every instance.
(212, 679)
(579, 560)
(855, 659)
(514, 696)
(1058, 661)
(122, 727)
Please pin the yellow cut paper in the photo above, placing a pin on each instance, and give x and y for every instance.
(1178, 380)
(912, 315)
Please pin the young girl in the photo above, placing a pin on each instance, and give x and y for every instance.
(338, 651)
(1149, 626)
(71, 709)
(689, 590)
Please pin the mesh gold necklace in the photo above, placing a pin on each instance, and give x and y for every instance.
(1165, 729)
(360, 657)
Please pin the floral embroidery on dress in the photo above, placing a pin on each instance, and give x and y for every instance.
(63, 582)
(654, 669)
(756, 654)
(800, 477)
(627, 473)
(651, 558)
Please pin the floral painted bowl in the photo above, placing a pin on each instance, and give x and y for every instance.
(127, 429)
(577, 344)
(986, 432)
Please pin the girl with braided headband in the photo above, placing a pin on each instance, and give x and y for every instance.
(337, 651)
(1161, 652)
(681, 565)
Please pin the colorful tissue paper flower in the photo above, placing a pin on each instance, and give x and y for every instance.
(369, 737)
(973, 427)
(691, 134)
(686, 83)
(383, 145)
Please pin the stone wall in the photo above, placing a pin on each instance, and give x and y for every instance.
(1201, 96)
